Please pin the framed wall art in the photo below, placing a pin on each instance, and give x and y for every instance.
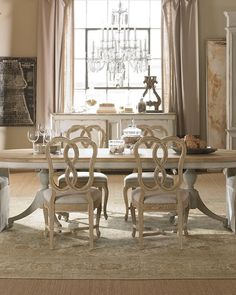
(17, 91)
(216, 92)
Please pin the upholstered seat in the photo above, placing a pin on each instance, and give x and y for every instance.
(71, 197)
(155, 197)
(131, 180)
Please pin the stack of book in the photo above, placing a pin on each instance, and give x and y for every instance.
(106, 108)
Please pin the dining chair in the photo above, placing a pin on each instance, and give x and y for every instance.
(73, 196)
(131, 180)
(98, 135)
(153, 130)
(94, 132)
(160, 195)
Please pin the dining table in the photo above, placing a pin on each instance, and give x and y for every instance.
(220, 160)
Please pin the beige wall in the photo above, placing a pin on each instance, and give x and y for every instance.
(18, 24)
(17, 38)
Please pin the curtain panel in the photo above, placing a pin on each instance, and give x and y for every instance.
(180, 63)
(54, 58)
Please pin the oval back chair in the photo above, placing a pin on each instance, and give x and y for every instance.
(160, 195)
(98, 135)
(73, 196)
(131, 180)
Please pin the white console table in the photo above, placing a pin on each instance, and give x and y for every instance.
(113, 124)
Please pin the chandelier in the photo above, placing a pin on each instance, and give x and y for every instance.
(119, 48)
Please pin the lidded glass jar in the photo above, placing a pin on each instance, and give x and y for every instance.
(131, 134)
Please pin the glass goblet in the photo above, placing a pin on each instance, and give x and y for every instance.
(42, 130)
(33, 136)
(47, 135)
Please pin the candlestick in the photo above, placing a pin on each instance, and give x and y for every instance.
(145, 45)
(107, 34)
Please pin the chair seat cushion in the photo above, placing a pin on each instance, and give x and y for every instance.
(158, 197)
(131, 180)
(72, 197)
(84, 175)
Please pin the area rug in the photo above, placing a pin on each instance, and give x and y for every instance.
(209, 250)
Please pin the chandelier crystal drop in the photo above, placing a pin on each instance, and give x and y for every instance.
(119, 48)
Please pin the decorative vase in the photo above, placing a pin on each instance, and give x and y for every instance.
(141, 106)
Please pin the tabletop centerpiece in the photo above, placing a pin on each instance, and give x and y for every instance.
(131, 135)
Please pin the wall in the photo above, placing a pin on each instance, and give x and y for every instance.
(212, 24)
(18, 24)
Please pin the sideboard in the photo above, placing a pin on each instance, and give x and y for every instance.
(113, 124)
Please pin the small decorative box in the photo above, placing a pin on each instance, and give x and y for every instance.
(116, 146)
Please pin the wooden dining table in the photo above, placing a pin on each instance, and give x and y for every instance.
(224, 160)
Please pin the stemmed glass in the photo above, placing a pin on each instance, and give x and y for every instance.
(47, 135)
(33, 136)
(42, 131)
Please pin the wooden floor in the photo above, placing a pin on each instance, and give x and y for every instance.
(106, 287)
(117, 287)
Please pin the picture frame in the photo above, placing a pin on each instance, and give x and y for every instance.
(18, 91)
(216, 92)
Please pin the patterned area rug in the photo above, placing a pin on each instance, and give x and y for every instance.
(209, 250)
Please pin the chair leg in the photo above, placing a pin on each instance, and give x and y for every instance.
(106, 193)
(45, 214)
(172, 217)
(180, 224)
(51, 228)
(125, 195)
(133, 215)
(185, 221)
(91, 227)
(99, 209)
(140, 227)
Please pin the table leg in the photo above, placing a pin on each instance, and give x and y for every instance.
(38, 200)
(190, 177)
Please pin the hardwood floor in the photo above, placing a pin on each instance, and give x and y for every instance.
(25, 183)
(117, 287)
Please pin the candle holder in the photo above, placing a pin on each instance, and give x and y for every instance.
(151, 81)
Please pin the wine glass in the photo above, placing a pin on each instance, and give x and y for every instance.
(42, 131)
(47, 135)
(33, 136)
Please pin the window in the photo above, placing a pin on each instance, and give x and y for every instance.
(90, 17)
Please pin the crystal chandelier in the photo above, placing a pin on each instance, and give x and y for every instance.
(119, 48)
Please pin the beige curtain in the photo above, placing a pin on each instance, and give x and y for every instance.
(54, 58)
(180, 63)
